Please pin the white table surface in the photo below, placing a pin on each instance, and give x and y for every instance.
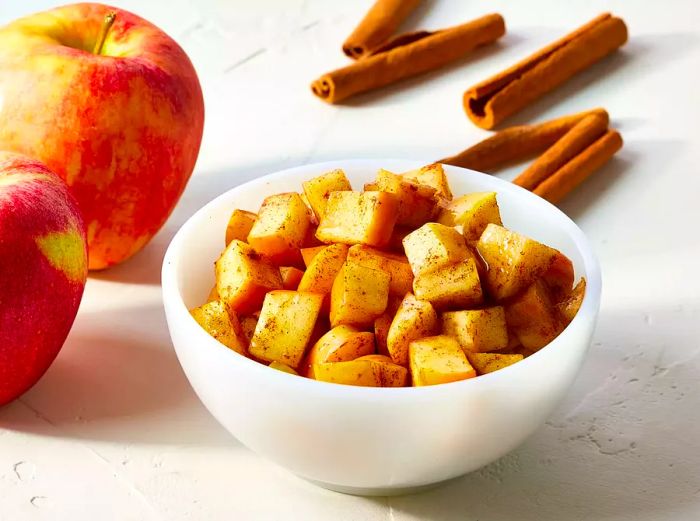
(114, 431)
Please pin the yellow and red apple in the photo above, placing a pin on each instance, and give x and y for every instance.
(113, 105)
(43, 267)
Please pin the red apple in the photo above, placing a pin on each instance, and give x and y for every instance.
(43, 267)
(112, 105)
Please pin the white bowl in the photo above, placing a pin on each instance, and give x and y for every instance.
(365, 440)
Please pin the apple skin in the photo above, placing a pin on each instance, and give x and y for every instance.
(122, 128)
(43, 267)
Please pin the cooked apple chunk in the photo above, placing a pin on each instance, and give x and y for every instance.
(285, 326)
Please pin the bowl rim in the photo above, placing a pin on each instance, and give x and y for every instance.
(172, 297)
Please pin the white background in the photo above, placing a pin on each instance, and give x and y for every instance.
(114, 431)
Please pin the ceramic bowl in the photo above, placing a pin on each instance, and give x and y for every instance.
(364, 440)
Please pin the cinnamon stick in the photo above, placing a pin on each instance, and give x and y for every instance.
(490, 102)
(573, 173)
(517, 143)
(398, 41)
(569, 146)
(380, 22)
(427, 53)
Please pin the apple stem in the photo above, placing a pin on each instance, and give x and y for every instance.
(106, 26)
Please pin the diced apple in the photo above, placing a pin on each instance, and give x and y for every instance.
(434, 246)
(414, 319)
(285, 326)
(248, 323)
(395, 265)
(355, 372)
(559, 277)
(308, 254)
(291, 277)
(437, 360)
(359, 218)
(532, 317)
(239, 225)
(283, 367)
(478, 330)
(222, 325)
(473, 212)
(359, 295)
(213, 294)
(489, 362)
(383, 322)
(514, 261)
(417, 204)
(340, 344)
(434, 176)
(322, 270)
(391, 374)
(318, 189)
(280, 229)
(571, 303)
(455, 286)
(243, 277)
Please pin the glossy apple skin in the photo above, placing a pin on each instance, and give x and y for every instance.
(43, 267)
(122, 128)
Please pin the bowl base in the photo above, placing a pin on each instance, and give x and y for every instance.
(379, 491)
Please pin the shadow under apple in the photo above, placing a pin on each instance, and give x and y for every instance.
(118, 379)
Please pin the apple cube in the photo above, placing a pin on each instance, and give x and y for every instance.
(280, 228)
(456, 286)
(340, 344)
(318, 189)
(322, 270)
(438, 360)
(283, 367)
(222, 325)
(417, 203)
(473, 212)
(391, 374)
(434, 246)
(243, 277)
(355, 372)
(514, 261)
(213, 294)
(291, 277)
(359, 218)
(285, 326)
(308, 254)
(432, 176)
(570, 305)
(489, 362)
(533, 318)
(478, 330)
(401, 276)
(239, 225)
(559, 277)
(383, 322)
(248, 323)
(359, 295)
(414, 319)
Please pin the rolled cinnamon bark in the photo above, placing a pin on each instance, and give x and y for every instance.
(568, 177)
(398, 41)
(427, 53)
(518, 143)
(493, 100)
(575, 141)
(380, 22)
